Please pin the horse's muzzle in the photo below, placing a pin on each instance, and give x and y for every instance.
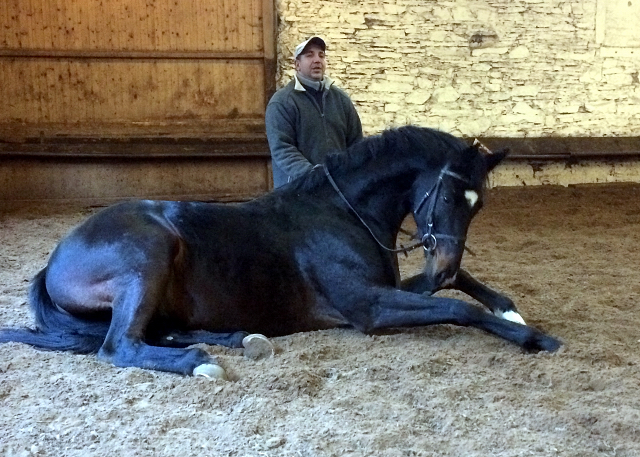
(442, 264)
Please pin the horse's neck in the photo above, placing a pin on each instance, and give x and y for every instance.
(382, 199)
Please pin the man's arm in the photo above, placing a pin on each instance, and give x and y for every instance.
(354, 126)
(281, 134)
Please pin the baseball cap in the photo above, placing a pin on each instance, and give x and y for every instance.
(315, 40)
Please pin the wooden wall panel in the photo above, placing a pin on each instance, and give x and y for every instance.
(143, 92)
(98, 68)
(75, 72)
(108, 181)
(143, 25)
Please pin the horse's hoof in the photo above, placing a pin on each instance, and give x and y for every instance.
(550, 344)
(211, 371)
(257, 347)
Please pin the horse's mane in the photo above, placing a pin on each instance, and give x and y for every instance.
(435, 146)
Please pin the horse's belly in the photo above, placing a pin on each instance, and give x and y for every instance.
(261, 313)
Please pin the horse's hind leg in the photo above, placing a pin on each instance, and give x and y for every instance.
(256, 346)
(182, 339)
(125, 345)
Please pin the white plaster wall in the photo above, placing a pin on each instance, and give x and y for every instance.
(562, 174)
(506, 68)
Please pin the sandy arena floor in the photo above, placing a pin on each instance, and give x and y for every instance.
(569, 257)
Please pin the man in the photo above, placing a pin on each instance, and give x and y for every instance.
(310, 117)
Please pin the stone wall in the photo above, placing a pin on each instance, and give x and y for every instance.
(510, 68)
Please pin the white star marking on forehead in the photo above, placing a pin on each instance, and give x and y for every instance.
(472, 197)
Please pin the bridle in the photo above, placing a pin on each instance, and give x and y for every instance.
(429, 240)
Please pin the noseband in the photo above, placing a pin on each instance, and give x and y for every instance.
(429, 240)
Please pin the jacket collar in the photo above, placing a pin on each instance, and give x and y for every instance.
(326, 82)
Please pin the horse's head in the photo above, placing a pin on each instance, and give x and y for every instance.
(445, 201)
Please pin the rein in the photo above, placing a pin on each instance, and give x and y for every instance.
(429, 240)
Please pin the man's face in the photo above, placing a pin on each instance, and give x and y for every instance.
(312, 63)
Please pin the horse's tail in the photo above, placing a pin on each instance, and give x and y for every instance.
(56, 330)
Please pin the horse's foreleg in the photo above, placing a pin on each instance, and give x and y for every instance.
(418, 284)
(125, 345)
(500, 305)
(396, 308)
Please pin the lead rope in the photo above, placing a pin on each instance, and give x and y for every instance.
(344, 199)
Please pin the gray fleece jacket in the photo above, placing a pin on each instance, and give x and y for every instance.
(301, 133)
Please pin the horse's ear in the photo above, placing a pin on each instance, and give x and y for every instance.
(495, 158)
(491, 158)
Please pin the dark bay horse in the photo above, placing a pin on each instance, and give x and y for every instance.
(140, 281)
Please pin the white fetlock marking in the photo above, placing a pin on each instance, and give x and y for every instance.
(210, 370)
(511, 316)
